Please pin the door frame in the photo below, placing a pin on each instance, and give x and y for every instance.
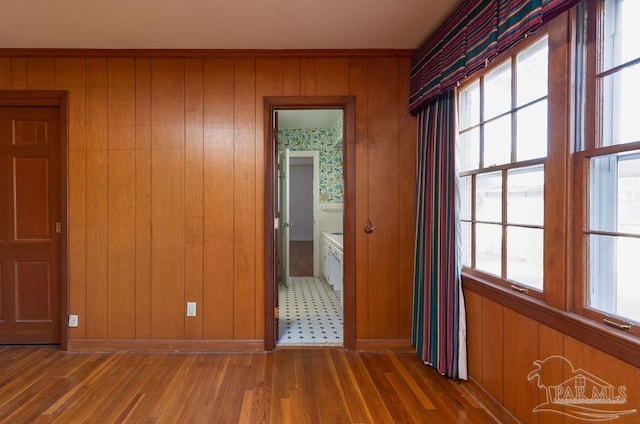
(59, 99)
(347, 104)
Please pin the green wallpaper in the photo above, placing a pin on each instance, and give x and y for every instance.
(328, 142)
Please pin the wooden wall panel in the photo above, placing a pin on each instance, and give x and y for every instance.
(332, 76)
(520, 350)
(5, 73)
(550, 342)
(41, 73)
(383, 197)
(474, 335)
(121, 198)
(407, 139)
(308, 77)
(508, 343)
(218, 199)
(194, 197)
(71, 76)
(291, 77)
(166, 189)
(612, 370)
(492, 349)
(358, 82)
(19, 73)
(244, 199)
(167, 199)
(97, 232)
(143, 199)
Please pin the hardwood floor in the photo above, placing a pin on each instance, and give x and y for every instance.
(301, 258)
(45, 385)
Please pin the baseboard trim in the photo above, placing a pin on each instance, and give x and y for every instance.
(490, 404)
(166, 345)
(384, 344)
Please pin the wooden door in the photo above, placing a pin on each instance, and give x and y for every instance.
(29, 216)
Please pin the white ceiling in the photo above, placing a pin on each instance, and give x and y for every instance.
(218, 24)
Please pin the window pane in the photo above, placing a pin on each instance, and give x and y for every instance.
(489, 197)
(621, 32)
(488, 247)
(621, 91)
(525, 195)
(465, 239)
(525, 247)
(532, 73)
(497, 142)
(497, 91)
(469, 101)
(613, 282)
(469, 150)
(465, 198)
(532, 132)
(615, 193)
(629, 194)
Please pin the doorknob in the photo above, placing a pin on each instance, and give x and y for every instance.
(369, 227)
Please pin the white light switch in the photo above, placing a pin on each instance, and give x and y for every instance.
(191, 309)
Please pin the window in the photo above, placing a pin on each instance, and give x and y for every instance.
(609, 156)
(502, 150)
(549, 169)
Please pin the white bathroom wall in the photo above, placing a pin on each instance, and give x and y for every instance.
(301, 202)
(330, 217)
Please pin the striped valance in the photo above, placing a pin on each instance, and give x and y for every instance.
(475, 33)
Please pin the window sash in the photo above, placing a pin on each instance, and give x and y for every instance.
(475, 130)
(596, 278)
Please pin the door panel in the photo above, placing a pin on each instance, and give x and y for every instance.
(29, 210)
(33, 277)
(285, 220)
(31, 201)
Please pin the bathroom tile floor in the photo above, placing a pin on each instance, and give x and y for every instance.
(310, 313)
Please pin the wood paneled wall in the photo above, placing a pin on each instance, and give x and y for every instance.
(503, 345)
(166, 188)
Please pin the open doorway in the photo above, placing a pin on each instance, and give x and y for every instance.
(310, 199)
(342, 213)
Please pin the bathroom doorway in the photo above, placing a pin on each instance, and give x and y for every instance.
(310, 200)
(333, 213)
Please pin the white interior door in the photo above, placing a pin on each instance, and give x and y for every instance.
(284, 222)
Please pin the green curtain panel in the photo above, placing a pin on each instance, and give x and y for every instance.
(439, 326)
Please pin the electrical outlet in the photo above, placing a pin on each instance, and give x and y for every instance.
(191, 309)
(73, 320)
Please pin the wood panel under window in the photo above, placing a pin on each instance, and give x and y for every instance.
(502, 351)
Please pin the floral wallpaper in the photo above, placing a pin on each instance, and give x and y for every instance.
(329, 143)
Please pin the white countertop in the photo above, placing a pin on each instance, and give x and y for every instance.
(335, 239)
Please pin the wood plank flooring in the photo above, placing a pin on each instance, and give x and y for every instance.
(328, 385)
(300, 258)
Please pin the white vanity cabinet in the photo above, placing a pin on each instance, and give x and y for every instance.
(332, 261)
(324, 259)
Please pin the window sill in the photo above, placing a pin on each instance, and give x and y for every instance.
(621, 345)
